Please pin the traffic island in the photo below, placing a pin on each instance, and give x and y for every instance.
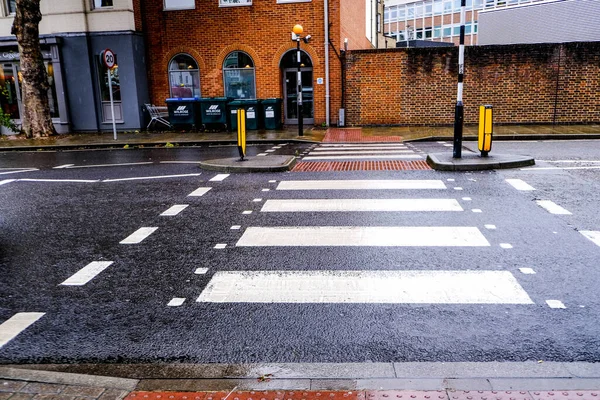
(475, 162)
(269, 163)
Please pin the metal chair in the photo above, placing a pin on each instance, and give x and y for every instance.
(157, 114)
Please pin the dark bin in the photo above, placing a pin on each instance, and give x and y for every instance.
(214, 112)
(254, 119)
(184, 112)
(272, 113)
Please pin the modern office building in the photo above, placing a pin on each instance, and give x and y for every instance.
(243, 49)
(73, 33)
(438, 20)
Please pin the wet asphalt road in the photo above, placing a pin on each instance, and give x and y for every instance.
(50, 230)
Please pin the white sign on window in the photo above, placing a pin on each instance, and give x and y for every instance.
(180, 4)
(235, 2)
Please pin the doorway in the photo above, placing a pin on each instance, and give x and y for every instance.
(289, 67)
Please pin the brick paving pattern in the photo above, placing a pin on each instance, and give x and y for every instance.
(337, 135)
(313, 166)
(19, 390)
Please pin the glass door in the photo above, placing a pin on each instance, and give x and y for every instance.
(291, 98)
(10, 92)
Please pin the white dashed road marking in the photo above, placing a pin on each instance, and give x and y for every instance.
(149, 177)
(552, 207)
(361, 185)
(138, 236)
(594, 236)
(520, 184)
(176, 209)
(353, 205)
(87, 273)
(219, 178)
(199, 192)
(527, 271)
(4, 182)
(176, 302)
(362, 236)
(59, 180)
(555, 304)
(16, 324)
(391, 287)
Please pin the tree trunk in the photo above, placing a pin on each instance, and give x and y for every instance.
(36, 118)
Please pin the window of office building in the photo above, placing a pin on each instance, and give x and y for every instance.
(11, 6)
(184, 76)
(239, 76)
(102, 3)
(180, 4)
(227, 3)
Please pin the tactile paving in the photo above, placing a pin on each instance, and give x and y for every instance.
(406, 395)
(320, 166)
(566, 395)
(489, 395)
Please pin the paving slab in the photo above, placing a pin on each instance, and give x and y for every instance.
(271, 163)
(531, 369)
(474, 162)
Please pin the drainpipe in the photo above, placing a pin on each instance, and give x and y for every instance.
(327, 96)
(91, 59)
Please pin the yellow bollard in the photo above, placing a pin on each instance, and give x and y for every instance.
(485, 129)
(241, 131)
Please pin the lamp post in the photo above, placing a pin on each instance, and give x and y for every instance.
(297, 31)
(459, 113)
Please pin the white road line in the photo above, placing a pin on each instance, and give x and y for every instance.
(180, 162)
(349, 145)
(201, 191)
(357, 148)
(458, 188)
(572, 161)
(16, 324)
(360, 185)
(476, 210)
(247, 212)
(18, 172)
(174, 210)
(72, 166)
(491, 227)
(176, 302)
(5, 181)
(59, 180)
(220, 246)
(87, 273)
(219, 178)
(552, 207)
(362, 236)
(506, 245)
(63, 166)
(387, 287)
(467, 198)
(269, 151)
(527, 271)
(398, 157)
(201, 271)
(546, 168)
(520, 184)
(149, 177)
(594, 236)
(335, 205)
(262, 154)
(257, 200)
(555, 304)
(344, 153)
(138, 236)
(236, 227)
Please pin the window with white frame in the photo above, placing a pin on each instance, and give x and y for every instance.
(239, 76)
(184, 76)
(229, 3)
(179, 4)
(11, 6)
(102, 3)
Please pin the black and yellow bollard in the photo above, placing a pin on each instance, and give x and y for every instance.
(241, 131)
(485, 129)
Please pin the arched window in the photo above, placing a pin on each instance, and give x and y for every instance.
(238, 76)
(184, 76)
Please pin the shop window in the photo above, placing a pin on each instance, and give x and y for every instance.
(184, 76)
(105, 92)
(179, 4)
(102, 3)
(227, 3)
(11, 6)
(239, 76)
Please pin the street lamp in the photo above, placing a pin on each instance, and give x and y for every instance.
(297, 31)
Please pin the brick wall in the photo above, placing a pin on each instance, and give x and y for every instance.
(525, 83)
(209, 33)
(353, 25)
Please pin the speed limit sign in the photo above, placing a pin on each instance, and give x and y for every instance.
(108, 57)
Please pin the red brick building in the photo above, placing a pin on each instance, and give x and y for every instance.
(243, 49)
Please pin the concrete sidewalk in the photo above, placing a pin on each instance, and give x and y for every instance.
(342, 381)
(311, 134)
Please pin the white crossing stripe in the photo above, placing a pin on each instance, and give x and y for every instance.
(174, 210)
(362, 236)
(16, 324)
(360, 145)
(138, 236)
(552, 207)
(149, 177)
(5, 181)
(520, 184)
(199, 192)
(176, 302)
(345, 153)
(555, 304)
(326, 149)
(87, 273)
(398, 157)
(360, 184)
(594, 236)
(334, 205)
(390, 287)
(219, 177)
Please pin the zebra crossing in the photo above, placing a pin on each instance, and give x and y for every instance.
(363, 151)
(299, 284)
